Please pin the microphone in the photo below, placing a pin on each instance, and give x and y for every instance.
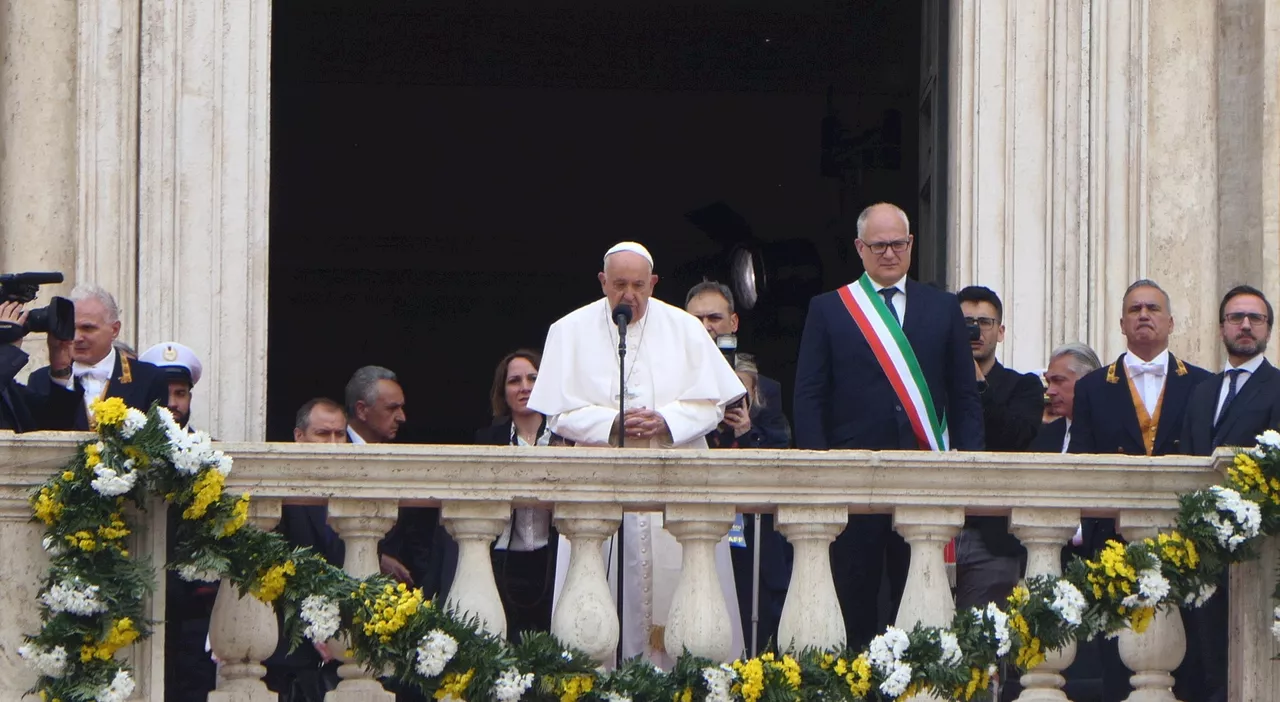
(622, 315)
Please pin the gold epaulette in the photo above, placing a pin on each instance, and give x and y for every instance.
(126, 371)
(1111, 373)
(1182, 368)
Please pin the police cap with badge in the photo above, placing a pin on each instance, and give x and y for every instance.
(177, 361)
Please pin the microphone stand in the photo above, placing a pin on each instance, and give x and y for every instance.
(621, 321)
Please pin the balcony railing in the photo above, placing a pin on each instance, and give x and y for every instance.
(811, 494)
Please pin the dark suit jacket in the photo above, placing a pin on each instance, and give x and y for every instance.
(1104, 420)
(306, 526)
(21, 409)
(142, 386)
(843, 399)
(1255, 409)
(1012, 407)
(1050, 437)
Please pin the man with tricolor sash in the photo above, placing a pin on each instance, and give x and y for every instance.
(1133, 406)
(884, 363)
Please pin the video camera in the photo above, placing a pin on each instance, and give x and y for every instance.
(58, 319)
(975, 331)
(728, 345)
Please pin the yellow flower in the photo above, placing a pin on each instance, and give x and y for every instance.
(109, 412)
(791, 671)
(239, 515)
(685, 695)
(208, 490)
(391, 611)
(120, 634)
(47, 507)
(455, 684)
(978, 681)
(859, 676)
(827, 661)
(573, 687)
(751, 673)
(115, 531)
(1140, 618)
(271, 583)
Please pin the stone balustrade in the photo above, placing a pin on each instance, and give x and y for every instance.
(811, 494)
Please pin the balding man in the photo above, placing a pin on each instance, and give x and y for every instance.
(676, 387)
(884, 363)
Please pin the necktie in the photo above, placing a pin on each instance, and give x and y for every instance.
(1154, 370)
(1232, 385)
(887, 294)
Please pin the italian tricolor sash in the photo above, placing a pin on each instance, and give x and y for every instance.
(897, 359)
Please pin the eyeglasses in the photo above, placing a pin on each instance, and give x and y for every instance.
(1237, 318)
(986, 323)
(878, 248)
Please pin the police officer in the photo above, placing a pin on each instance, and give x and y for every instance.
(182, 368)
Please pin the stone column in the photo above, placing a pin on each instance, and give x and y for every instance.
(1155, 653)
(243, 631)
(475, 525)
(25, 565)
(1253, 672)
(927, 597)
(699, 619)
(585, 615)
(1044, 532)
(39, 207)
(360, 523)
(811, 615)
(202, 198)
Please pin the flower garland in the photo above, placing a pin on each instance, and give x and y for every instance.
(91, 600)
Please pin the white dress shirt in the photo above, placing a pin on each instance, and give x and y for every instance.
(530, 527)
(1148, 377)
(93, 379)
(1249, 367)
(899, 298)
(1066, 436)
(353, 437)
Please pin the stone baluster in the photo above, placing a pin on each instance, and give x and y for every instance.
(1044, 532)
(585, 616)
(699, 618)
(1157, 651)
(475, 525)
(926, 599)
(243, 630)
(811, 615)
(361, 524)
(24, 567)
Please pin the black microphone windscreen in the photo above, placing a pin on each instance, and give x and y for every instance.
(622, 314)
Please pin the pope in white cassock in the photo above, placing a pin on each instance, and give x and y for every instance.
(677, 386)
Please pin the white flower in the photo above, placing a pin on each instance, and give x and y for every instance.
(719, 683)
(1152, 587)
(1198, 598)
(567, 655)
(615, 697)
(52, 546)
(897, 679)
(1245, 519)
(100, 447)
(192, 574)
(951, 653)
(999, 622)
(1269, 438)
(224, 464)
(73, 596)
(119, 690)
(434, 652)
(110, 483)
(511, 685)
(1275, 626)
(134, 421)
(887, 649)
(322, 617)
(50, 663)
(171, 427)
(1068, 602)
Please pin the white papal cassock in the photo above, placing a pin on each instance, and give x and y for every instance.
(674, 368)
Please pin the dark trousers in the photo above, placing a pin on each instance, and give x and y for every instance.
(526, 583)
(775, 577)
(293, 683)
(1203, 673)
(869, 563)
(190, 673)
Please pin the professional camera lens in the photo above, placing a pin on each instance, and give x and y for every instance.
(58, 319)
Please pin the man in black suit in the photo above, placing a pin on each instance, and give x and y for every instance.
(765, 426)
(1230, 409)
(306, 674)
(90, 368)
(988, 558)
(854, 340)
(21, 409)
(1133, 406)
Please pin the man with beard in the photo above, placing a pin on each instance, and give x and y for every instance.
(1229, 409)
(182, 368)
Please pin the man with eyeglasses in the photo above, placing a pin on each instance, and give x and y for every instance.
(988, 558)
(884, 363)
(1135, 406)
(1230, 409)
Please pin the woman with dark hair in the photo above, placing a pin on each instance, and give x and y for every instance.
(524, 556)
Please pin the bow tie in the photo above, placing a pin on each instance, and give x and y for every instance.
(1155, 370)
(91, 373)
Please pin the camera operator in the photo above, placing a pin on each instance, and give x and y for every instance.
(20, 409)
(766, 426)
(988, 558)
